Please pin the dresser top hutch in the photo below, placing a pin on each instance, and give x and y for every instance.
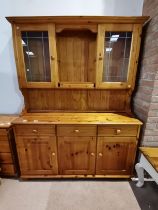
(77, 64)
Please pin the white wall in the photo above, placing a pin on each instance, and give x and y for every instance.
(11, 100)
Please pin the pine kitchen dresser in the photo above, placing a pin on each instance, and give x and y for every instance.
(77, 75)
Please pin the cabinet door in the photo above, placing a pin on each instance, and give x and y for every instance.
(35, 48)
(117, 55)
(76, 155)
(115, 155)
(37, 156)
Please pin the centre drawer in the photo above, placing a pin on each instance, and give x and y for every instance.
(117, 130)
(76, 130)
(34, 129)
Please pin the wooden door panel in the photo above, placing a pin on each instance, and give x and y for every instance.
(115, 155)
(38, 156)
(76, 155)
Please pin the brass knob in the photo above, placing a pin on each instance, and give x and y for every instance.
(17, 27)
(52, 58)
(34, 131)
(118, 131)
(129, 86)
(77, 131)
(100, 154)
(92, 154)
(53, 153)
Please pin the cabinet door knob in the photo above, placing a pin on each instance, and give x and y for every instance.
(34, 131)
(92, 154)
(100, 58)
(100, 154)
(77, 131)
(52, 58)
(53, 153)
(118, 131)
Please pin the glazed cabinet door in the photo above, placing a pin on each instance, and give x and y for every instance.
(37, 155)
(115, 155)
(35, 50)
(76, 155)
(117, 55)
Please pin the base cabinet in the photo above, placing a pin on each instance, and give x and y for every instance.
(115, 155)
(37, 155)
(76, 155)
(76, 150)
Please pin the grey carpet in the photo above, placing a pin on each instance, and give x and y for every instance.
(66, 195)
(91, 195)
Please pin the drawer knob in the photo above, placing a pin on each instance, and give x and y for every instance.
(92, 154)
(118, 131)
(53, 153)
(34, 131)
(100, 154)
(77, 131)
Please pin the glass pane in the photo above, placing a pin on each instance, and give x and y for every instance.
(116, 56)
(36, 56)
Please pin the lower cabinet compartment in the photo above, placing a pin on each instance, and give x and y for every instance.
(37, 155)
(76, 155)
(115, 155)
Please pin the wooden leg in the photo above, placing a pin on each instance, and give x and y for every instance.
(140, 174)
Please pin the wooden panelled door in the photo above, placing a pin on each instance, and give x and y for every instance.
(37, 156)
(115, 155)
(76, 155)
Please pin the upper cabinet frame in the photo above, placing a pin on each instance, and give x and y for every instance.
(18, 29)
(135, 30)
(76, 51)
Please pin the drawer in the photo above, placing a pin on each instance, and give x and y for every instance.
(34, 130)
(117, 130)
(76, 130)
(3, 132)
(4, 146)
(5, 158)
(3, 138)
(7, 169)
